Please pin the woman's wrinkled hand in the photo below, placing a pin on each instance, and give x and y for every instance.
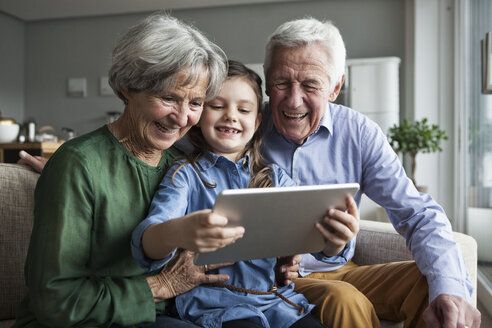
(36, 162)
(180, 275)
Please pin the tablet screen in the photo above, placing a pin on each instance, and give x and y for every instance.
(278, 221)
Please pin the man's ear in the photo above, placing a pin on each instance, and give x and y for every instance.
(336, 91)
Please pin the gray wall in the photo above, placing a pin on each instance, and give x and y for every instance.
(11, 67)
(59, 49)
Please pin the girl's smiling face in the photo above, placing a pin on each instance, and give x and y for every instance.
(230, 120)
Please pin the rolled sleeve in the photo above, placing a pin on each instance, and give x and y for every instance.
(341, 258)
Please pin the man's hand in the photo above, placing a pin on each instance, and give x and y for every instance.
(339, 227)
(286, 269)
(36, 162)
(181, 275)
(448, 311)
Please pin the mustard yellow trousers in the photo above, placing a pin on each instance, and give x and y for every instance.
(356, 296)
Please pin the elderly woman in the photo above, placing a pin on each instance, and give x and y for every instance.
(97, 188)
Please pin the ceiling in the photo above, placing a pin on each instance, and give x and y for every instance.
(30, 10)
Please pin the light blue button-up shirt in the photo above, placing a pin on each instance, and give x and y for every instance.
(206, 305)
(349, 147)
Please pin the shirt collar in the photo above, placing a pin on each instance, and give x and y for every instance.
(327, 120)
(211, 159)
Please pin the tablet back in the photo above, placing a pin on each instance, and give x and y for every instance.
(278, 221)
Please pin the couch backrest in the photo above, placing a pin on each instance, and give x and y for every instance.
(17, 185)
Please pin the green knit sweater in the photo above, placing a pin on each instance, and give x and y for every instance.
(79, 268)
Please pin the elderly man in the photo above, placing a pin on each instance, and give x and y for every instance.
(319, 142)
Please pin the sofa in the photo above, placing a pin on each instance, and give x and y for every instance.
(377, 242)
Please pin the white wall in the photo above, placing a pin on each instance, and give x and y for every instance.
(11, 67)
(433, 93)
(417, 31)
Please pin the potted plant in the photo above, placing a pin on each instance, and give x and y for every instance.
(413, 138)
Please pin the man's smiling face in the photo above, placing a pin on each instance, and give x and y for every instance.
(299, 90)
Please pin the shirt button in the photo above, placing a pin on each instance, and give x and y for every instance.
(298, 181)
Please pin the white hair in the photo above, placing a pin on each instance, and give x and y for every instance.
(301, 32)
(152, 53)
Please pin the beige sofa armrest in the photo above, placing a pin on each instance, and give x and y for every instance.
(378, 242)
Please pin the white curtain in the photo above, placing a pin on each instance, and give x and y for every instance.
(479, 214)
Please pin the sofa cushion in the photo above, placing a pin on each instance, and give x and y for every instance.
(17, 185)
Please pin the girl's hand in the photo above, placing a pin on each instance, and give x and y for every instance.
(339, 227)
(200, 231)
(204, 231)
(181, 275)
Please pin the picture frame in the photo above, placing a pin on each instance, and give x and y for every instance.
(486, 46)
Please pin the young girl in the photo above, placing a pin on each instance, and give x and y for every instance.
(226, 156)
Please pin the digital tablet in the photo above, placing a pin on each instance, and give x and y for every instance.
(278, 221)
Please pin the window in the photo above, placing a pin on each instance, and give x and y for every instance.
(479, 112)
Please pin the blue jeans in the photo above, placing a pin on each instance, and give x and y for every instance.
(162, 321)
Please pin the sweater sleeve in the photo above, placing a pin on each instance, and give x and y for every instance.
(65, 286)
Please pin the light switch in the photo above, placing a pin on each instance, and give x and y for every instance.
(104, 87)
(77, 87)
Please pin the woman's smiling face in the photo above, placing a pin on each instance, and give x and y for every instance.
(230, 120)
(159, 120)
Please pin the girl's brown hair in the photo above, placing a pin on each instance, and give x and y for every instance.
(261, 173)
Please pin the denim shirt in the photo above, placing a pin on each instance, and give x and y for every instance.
(349, 147)
(207, 305)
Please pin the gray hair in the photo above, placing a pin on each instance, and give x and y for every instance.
(306, 31)
(152, 53)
